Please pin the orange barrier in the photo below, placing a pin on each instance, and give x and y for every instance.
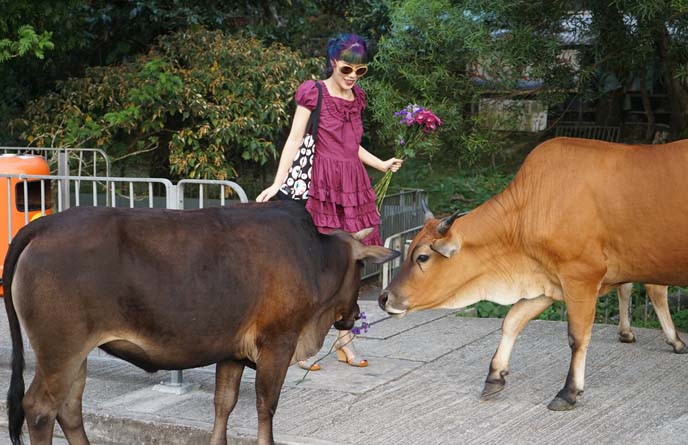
(20, 164)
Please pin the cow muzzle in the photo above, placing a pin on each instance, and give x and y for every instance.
(389, 303)
(347, 323)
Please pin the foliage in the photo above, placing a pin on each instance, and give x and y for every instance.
(487, 309)
(99, 32)
(28, 42)
(681, 320)
(201, 100)
(451, 188)
(449, 55)
(420, 60)
(639, 46)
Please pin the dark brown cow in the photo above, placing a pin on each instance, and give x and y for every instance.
(570, 226)
(251, 285)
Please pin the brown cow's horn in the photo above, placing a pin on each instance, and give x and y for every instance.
(444, 226)
(426, 210)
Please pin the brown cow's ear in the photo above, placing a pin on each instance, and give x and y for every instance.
(375, 254)
(446, 246)
(361, 234)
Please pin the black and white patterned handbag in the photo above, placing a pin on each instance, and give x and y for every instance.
(299, 176)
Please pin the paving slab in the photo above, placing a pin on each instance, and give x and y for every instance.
(422, 387)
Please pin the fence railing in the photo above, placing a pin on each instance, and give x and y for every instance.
(610, 134)
(400, 211)
(209, 193)
(399, 242)
(68, 161)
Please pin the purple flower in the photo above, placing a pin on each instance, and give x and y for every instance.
(356, 330)
(402, 141)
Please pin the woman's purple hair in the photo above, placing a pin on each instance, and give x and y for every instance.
(347, 47)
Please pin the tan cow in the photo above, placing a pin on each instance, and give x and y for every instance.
(569, 227)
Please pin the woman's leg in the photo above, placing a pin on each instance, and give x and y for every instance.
(345, 351)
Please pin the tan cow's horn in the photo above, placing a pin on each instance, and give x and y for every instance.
(426, 210)
(444, 226)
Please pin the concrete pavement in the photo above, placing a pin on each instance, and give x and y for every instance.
(422, 387)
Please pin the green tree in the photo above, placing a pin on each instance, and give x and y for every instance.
(430, 57)
(645, 42)
(28, 42)
(451, 55)
(98, 32)
(197, 104)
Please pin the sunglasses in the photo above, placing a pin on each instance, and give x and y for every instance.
(360, 70)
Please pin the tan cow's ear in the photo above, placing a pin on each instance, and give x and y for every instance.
(374, 254)
(446, 246)
(361, 234)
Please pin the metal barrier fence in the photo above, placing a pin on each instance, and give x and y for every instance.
(610, 134)
(400, 211)
(205, 189)
(399, 242)
(62, 161)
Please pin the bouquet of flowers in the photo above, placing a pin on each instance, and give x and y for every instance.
(416, 136)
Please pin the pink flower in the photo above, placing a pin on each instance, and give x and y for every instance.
(427, 120)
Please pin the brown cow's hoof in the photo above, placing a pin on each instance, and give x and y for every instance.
(491, 388)
(559, 404)
(626, 337)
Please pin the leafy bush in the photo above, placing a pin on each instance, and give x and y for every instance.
(28, 42)
(201, 101)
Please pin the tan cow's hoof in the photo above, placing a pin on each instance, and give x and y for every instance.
(679, 349)
(626, 337)
(559, 404)
(490, 389)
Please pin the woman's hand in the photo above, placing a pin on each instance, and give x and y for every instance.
(393, 164)
(268, 193)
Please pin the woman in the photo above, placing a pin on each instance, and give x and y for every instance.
(340, 194)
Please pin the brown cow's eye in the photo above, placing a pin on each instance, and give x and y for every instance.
(422, 258)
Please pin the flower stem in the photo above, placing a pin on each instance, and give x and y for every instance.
(381, 189)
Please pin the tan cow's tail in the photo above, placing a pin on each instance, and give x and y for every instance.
(15, 394)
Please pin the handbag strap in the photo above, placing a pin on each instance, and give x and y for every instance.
(314, 119)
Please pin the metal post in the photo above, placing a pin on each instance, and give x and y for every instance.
(175, 383)
(63, 170)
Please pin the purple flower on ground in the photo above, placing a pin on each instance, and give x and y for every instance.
(356, 330)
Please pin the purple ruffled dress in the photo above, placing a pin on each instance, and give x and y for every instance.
(340, 194)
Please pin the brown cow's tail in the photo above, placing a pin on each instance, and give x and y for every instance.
(15, 394)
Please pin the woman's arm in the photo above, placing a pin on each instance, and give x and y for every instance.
(370, 159)
(291, 146)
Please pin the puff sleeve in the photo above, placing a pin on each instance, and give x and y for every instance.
(307, 95)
